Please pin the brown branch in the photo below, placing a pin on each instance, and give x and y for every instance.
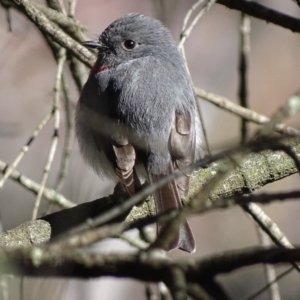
(34, 261)
(240, 111)
(58, 35)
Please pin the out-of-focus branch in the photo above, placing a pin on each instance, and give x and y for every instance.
(35, 261)
(264, 13)
(245, 29)
(33, 186)
(269, 270)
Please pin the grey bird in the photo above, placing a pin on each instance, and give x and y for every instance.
(136, 119)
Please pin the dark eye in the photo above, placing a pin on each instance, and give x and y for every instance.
(129, 44)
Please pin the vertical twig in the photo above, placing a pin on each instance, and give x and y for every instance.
(68, 140)
(185, 32)
(243, 68)
(269, 270)
(4, 290)
(65, 161)
(163, 291)
(57, 87)
(22, 287)
(71, 8)
(149, 293)
(66, 156)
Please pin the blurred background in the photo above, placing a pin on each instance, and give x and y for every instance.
(27, 72)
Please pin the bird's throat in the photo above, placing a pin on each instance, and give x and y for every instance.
(97, 68)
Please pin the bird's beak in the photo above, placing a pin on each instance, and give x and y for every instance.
(92, 44)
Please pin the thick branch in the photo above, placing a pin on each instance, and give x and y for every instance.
(256, 170)
(35, 261)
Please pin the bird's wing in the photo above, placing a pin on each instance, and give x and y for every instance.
(182, 143)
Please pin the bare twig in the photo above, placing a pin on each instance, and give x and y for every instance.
(268, 225)
(59, 36)
(262, 12)
(68, 140)
(79, 72)
(189, 13)
(270, 273)
(69, 25)
(71, 8)
(56, 108)
(267, 286)
(187, 31)
(34, 187)
(25, 148)
(290, 108)
(245, 113)
(149, 293)
(244, 53)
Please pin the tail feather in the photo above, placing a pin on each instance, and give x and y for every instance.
(167, 198)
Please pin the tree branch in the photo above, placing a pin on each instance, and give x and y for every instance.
(264, 13)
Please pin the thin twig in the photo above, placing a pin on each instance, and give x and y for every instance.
(245, 113)
(69, 25)
(65, 161)
(290, 108)
(163, 291)
(188, 15)
(149, 293)
(71, 8)
(68, 142)
(267, 286)
(187, 31)
(56, 108)
(269, 270)
(26, 147)
(243, 59)
(59, 36)
(79, 72)
(30, 185)
(262, 12)
(268, 225)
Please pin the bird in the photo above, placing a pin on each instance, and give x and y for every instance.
(136, 119)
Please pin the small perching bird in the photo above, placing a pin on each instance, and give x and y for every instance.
(136, 118)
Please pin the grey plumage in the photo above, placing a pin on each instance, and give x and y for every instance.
(138, 109)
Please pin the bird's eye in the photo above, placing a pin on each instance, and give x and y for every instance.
(129, 44)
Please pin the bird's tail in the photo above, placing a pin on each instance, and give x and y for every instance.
(167, 198)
